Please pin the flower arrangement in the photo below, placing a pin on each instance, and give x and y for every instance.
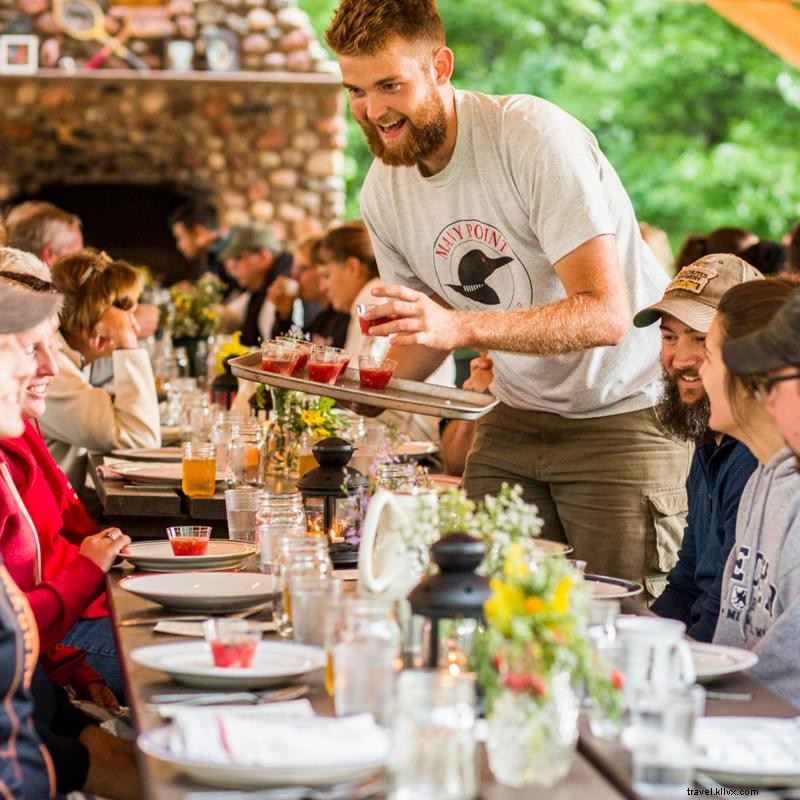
(316, 416)
(193, 310)
(232, 348)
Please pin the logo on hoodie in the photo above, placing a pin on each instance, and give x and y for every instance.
(476, 268)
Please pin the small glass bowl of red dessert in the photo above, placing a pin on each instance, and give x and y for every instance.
(366, 324)
(189, 540)
(303, 349)
(326, 364)
(233, 642)
(374, 372)
(279, 357)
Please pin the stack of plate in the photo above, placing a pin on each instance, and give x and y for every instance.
(157, 556)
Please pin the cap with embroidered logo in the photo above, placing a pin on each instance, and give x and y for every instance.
(694, 293)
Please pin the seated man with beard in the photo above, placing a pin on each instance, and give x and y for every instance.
(721, 465)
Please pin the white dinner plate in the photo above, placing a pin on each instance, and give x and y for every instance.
(749, 751)
(157, 472)
(157, 556)
(606, 587)
(713, 661)
(191, 663)
(155, 743)
(203, 592)
(163, 454)
(414, 449)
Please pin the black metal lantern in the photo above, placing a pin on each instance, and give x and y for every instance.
(224, 387)
(456, 592)
(328, 491)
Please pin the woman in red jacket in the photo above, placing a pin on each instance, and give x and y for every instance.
(53, 549)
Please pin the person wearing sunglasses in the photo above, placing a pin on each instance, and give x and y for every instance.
(772, 355)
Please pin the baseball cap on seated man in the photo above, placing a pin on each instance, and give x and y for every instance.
(694, 293)
(774, 346)
(250, 238)
(22, 307)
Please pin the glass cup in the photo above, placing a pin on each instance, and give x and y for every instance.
(311, 597)
(375, 373)
(660, 739)
(366, 324)
(189, 540)
(303, 349)
(198, 469)
(363, 643)
(434, 737)
(241, 507)
(279, 357)
(326, 364)
(233, 642)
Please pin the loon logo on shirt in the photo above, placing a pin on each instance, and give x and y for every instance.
(474, 260)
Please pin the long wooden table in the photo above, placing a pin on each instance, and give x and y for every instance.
(163, 782)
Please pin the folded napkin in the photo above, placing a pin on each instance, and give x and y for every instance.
(107, 469)
(276, 741)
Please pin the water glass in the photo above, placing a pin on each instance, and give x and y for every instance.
(198, 469)
(241, 506)
(279, 514)
(311, 599)
(660, 740)
(364, 650)
(434, 737)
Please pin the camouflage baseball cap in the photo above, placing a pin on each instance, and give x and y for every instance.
(694, 293)
(250, 238)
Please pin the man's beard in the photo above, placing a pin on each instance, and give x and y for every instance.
(681, 420)
(422, 136)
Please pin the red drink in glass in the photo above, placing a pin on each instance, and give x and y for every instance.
(188, 546)
(366, 324)
(234, 653)
(302, 360)
(324, 372)
(375, 378)
(280, 366)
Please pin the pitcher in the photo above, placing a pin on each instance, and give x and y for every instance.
(391, 557)
(655, 656)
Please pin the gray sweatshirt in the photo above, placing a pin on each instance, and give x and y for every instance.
(760, 608)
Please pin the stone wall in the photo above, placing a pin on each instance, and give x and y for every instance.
(266, 150)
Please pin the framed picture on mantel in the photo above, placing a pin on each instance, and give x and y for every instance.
(19, 53)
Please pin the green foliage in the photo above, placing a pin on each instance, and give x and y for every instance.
(699, 120)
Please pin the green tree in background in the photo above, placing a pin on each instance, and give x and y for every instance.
(701, 122)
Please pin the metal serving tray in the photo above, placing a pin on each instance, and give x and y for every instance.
(402, 395)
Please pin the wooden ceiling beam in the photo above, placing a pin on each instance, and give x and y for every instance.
(773, 23)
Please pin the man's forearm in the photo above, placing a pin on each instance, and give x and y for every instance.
(416, 362)
(577, 322)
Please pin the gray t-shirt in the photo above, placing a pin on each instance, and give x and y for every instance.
(526, 185)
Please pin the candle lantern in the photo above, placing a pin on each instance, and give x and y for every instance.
(455, 594)
(328, 494)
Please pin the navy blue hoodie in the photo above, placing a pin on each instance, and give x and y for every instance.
(714, 487)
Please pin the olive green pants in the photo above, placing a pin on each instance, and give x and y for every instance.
(612, 487)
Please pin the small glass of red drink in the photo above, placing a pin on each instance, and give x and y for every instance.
(375, 373)
(189, 540)
(303, 352)
(233, 642)
(279, 357)
(366, 324)
(326, 364)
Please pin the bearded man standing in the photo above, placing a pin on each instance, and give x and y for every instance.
(497, 223)
(721, 465)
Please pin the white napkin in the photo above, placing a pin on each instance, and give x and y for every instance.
(107, 469)
(276, 741)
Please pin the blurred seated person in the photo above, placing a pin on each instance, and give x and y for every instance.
(720, 240)
(348, 274)
(198, 238)
(45, 230)
(321, 321)
(254, 258)
(64, 577)
(98, 319)
(767, 257)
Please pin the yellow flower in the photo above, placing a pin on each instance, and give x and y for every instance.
(505, 602)
(534, 605)
(515, 567)
(560, 601)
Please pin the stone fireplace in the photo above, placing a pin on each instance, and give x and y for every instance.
(264, 142)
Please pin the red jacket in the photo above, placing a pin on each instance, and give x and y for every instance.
(70, 585)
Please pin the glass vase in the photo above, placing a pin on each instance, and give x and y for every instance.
(282, 441)
(532, 739)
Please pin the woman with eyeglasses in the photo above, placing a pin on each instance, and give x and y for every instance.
(760, 603)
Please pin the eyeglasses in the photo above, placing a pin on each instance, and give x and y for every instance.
(766, 385)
